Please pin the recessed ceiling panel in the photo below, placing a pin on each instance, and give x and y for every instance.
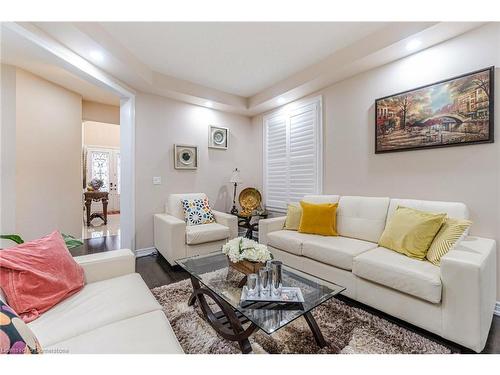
(238, 58)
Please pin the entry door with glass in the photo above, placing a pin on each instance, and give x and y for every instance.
(104, 163)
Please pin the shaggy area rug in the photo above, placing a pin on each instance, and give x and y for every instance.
(347, 330)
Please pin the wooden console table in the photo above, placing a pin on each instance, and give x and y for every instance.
(96, 196)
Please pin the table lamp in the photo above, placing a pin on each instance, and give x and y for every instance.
(235, 179)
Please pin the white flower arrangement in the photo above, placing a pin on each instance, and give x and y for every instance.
(241, 248)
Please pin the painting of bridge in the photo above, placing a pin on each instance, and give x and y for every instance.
(453, 112)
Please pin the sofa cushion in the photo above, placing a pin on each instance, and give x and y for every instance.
(38, 274)
(311, 198)
(174, 205)
(148, 333)
(452, 209)
(293, 216)
(15, 335)
(204, 233)
(410, 232)
(318, 218)
(362, 217)
(96, 305)
(386, 267)
(335, 251)
(450, 234)
(197, 211)
(287, 240)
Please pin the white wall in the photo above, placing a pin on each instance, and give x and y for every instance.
(160, 123)
(468, 174)
(48, 158)
(7, 152)
(93, 111)
(101, 134)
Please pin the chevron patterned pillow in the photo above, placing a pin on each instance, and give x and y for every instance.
(452, 231)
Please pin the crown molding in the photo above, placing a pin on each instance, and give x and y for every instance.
(382, 47)
(379, 48)
(71, 61)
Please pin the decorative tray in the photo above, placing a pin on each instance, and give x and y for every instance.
(249, 199)
(288, 295)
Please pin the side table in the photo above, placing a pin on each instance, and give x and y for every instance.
(96, 196)
(245, 221)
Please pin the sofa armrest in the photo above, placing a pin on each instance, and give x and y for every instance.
(170, 237)
(106, 265)
(468, 274)
(229, 221)
(267, 226)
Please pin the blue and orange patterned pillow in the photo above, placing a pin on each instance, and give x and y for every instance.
(15, 335)
(197, 211)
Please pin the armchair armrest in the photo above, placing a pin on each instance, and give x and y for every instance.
(106, 265)
(170, 237)
(468, 274)
(229, 221)
(267, 226)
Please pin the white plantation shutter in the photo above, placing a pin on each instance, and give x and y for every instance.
(292, 154)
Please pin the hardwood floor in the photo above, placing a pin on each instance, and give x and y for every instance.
(97, 245)
(156, 271)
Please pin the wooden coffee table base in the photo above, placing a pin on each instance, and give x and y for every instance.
(226, 322)
(229, 322)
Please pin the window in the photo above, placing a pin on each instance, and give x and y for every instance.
(292, 154)
(100, 168)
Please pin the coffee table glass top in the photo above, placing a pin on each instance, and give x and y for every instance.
(214, 272)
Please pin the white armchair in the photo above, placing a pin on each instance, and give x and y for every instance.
(176, 240)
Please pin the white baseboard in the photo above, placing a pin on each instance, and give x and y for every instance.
(497, 309)
(144, 252)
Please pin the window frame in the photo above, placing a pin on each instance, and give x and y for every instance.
(285, 111)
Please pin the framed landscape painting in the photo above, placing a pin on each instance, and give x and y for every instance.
(453, 112)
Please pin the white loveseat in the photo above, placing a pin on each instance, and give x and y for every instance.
(176, 240)
(455, 301)
(115, 312)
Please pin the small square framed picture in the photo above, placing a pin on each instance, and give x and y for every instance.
(185, 157)
(218, 137)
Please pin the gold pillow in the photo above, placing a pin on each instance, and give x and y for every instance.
(410, 232)
(447, 237)
(293, 216)
(319, 218)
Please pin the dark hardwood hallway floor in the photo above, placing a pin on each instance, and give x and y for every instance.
(156, 271)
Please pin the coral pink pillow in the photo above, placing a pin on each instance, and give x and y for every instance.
(37, 275)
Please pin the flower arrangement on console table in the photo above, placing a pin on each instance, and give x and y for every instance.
(245, 255)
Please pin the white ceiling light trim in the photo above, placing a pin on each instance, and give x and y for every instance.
(413, 45)
(97, 56)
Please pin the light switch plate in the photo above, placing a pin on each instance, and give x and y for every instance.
(157, 180)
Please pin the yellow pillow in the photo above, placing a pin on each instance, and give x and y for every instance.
(319, 218)
(410, 232)
(449, 234)
(293, 216)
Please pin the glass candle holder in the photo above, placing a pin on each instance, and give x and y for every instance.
(264, 281)
(252, 284)
(277, 277)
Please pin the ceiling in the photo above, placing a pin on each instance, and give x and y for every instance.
(245, 68)
(18, 51)
(238, 58)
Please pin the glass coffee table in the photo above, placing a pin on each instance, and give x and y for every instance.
(213, 277)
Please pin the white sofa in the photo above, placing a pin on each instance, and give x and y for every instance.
(455, 301)
(115, 312)
(176, 240)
